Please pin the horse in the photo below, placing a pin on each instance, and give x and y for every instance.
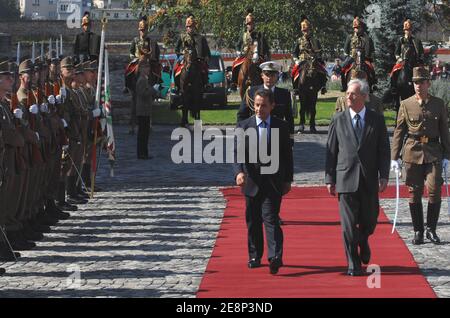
(402, 86)
(191, 86)
(310, 81)
(360, 64)
(250, 73)
(131, 77)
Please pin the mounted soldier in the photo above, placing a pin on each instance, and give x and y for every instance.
(191, 71)
(308, 54)
(253, 49)
(359, 51)
(409, 54)
(142, 47)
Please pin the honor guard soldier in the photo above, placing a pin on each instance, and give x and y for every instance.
(423, 121)
(193, 41)
(87, 43)
(408, 50)
(308, 53)
(358, 47)
(249, 37)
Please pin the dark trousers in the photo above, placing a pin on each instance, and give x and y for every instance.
(359, 213)
(143, 135)
(264, 209)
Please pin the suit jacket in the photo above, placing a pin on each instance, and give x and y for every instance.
(255, 181)
(347, 160)
(282, 110)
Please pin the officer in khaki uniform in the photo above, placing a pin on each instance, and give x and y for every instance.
(423, 120)
(373, 102)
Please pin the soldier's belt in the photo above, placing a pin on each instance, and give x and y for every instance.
(424, 139)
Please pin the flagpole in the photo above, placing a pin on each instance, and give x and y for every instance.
(97, 103)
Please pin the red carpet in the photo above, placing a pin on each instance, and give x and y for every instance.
(314, 256)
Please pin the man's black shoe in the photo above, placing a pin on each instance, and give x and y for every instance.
(275, 264)
(365, 252)
(67, 207)
(2, 271)
(355, 272)
(254, 263)
(418, 238)
(433, 237)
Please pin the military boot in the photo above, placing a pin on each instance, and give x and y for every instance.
(61, 198)
(432, 220)
(72, 195)
(416, 210)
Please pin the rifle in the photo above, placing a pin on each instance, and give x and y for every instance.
(36, 156)
(14, 102)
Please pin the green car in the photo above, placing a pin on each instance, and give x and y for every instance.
(216, 90)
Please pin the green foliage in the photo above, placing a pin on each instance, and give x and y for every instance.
(279, 20)
(9, 10)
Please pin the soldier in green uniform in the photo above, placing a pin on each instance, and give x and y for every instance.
(249, 37)
(423, 120)
(87, 43)
(358, 47)
(308, 53)
(408, 49)
(10, 142)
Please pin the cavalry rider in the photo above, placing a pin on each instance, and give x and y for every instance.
(360, 42)
(249, 37)
(308, 50)
(195, 43)
(141, 46)
(408, 48)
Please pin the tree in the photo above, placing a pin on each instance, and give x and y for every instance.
(386, 27)
(9, 10)
(279, 20)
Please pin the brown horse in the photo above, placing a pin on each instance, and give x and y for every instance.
(249, 73)
(360, 65)
(191, 87)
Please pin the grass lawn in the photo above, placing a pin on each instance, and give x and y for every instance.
(227, 116)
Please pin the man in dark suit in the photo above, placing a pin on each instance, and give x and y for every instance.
(263, 190)
(87, 44)
(357, 168)
(283, 105)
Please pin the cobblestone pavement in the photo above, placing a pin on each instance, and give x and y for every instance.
(151, 233)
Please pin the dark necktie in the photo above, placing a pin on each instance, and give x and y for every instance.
(358, 127)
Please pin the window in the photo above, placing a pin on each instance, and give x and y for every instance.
(51, 2)
(52, 15)
(64, 7)
(116, 15)
(35, 2)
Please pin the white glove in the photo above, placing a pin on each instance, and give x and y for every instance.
(63, 92)
(399, 60)
(51, 99)
(58, 99)
(444, 164)
(37, 135)
(156, 87)
(96, 112)
(34, 109)
(64, 122)
(44, 108)
(65, 148)
(395, 165)
(18, 113)
(296, 61)
(238, 52)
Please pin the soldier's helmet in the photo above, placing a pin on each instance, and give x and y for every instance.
(304, 23)
(26, 67)
(420, 73)
(86, 20)
(190, 21)
(143, 24)
(249, 19)
(407, 25)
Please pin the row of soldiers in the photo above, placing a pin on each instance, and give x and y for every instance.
(47, 123)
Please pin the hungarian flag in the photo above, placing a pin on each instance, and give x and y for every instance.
(111, 144)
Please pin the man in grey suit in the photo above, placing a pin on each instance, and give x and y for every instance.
(357, 168)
